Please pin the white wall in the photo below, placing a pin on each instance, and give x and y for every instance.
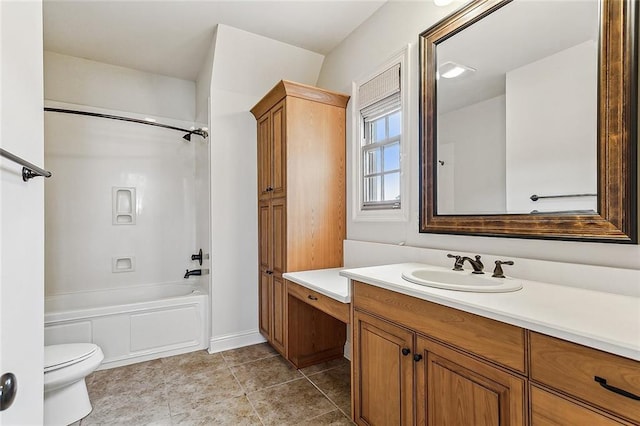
(245, 67)
(476, 137)
(81, 81)
(552, 131)
(394, 25)
(21, 210)
(203, 171)
(92, 155)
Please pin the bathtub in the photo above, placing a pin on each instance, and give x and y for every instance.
(132, 324)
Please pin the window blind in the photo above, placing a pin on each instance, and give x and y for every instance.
(380, 87)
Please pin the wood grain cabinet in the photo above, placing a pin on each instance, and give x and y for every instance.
(417, 362)
(301, 192)
(592, 381)
(383, 371)
(403, 375)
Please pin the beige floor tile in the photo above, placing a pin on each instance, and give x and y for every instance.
(290, 403)
(201, 389)
(265, 372)
(248, 354)
(335, 383)
(235, 411)
(193, 362)
(334, 418)
(340, 362)
(196, 390)
(149, 407)
(133, 378)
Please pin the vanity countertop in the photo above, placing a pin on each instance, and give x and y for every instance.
(605, 321)
(325, 281)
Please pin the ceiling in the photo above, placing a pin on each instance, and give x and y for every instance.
(171, 37)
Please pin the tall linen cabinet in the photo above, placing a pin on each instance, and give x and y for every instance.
(301, 192)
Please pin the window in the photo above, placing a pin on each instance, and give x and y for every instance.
(381, 157)
(380, 123)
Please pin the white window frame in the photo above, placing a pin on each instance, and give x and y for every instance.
(386, 214)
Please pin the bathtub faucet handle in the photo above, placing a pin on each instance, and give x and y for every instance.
(197, 257)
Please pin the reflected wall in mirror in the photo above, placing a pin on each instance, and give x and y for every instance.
(528, 120)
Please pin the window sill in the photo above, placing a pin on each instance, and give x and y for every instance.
(381, 215)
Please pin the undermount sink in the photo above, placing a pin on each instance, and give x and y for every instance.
(461, 281)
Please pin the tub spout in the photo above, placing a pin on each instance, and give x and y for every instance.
(193, 272)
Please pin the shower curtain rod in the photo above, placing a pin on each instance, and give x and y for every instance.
(199, 132)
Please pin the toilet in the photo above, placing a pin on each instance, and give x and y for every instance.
(66, 399)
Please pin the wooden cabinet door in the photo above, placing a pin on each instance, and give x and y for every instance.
(454, 388)
(383, 372)
(265, 240)
(278, 334)
(279, 235)
(265, 297)
(264, 157)
(278, 149)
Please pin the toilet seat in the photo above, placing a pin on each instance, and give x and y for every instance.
(60, 356)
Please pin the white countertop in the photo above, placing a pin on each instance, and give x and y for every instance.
(605, 321)
(325, 281)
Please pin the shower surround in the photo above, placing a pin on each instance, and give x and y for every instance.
(120, 228)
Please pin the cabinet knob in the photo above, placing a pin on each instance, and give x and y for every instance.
(269, 188)
(417, 357)
(312, 297)
(269, 272)
(406, 351)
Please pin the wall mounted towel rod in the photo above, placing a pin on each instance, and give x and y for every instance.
(199, 132)
(535, 197)
(28, 170)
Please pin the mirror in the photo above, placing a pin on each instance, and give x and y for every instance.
(528, 121)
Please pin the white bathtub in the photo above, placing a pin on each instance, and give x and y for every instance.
(133, 324)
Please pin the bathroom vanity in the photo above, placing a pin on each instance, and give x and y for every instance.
(546, 354)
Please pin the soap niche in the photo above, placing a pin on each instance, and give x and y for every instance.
(123, 264)
(124, 206)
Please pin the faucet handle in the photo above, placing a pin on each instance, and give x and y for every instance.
(497, 272)
(457, 266)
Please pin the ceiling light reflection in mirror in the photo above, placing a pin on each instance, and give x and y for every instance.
(517, 111)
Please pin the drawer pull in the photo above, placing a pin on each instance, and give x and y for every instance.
(417, 357)
(312, 297)
(603, 383)
(406, 351)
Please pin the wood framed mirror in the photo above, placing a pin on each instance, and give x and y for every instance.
(560, 161)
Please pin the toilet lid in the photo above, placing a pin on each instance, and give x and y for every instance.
(58, 356)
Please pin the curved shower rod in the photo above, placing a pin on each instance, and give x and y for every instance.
(200, 132)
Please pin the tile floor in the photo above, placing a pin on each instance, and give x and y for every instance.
(246, 386)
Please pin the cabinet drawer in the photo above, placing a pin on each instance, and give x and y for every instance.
(572, 368)
(496, 341)
(550, 409)
(326, 304)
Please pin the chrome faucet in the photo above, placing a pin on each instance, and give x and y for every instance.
(476, 264)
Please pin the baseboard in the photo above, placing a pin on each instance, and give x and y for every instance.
(235, 340)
